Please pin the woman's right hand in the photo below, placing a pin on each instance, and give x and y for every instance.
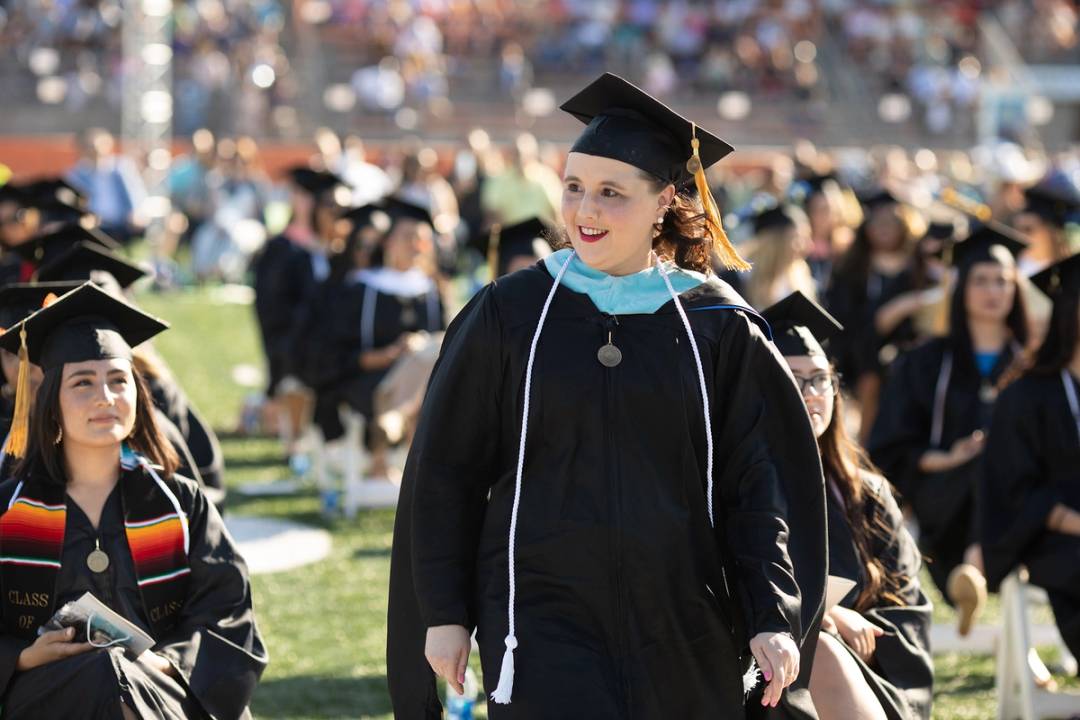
(962, 451)
(447, 651)
(50, 647)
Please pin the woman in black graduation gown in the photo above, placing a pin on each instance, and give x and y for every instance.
(874, 660)
(936, 408)
(95, 507)
(362, 324)
(1030, 488)
(628, 514)
(880, 267)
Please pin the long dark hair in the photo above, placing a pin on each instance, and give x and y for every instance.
(1062, 336)
(845, 463)
(854, 264)
(44, 456)
(959, 331)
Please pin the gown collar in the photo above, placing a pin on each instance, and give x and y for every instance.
(640, 293)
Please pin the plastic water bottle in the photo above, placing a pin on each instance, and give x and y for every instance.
(460, 707)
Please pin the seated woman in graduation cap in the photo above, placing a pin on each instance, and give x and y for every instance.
(1029, 484)
(936, 408)
(95, 507)
(614, 480)
(195, 442)
(368, 324)
(874, 660)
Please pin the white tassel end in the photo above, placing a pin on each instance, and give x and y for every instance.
(750, 678)
(505, 688)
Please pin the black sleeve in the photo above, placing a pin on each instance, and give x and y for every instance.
(454, 463)
(770, 482)
(1015, 496)
(215, 644)
(903, 653)
(901, 432)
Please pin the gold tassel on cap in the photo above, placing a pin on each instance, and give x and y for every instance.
(729, 256)
(20, 423)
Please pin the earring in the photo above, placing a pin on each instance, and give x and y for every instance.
(59, 436)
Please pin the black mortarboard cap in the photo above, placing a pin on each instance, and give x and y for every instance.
(777, 217)
(627, 124)
(399, 209)
(20, 300)
(1052, 200)
(56, 196)
(45, 248)
(84, 260)
(315, 182)
(800, 326)
(519, 240)
(10, 192)
(1062, 275)
(941, 230)
(989, 242)
(371, 215)
(84, 324)
(878, 197)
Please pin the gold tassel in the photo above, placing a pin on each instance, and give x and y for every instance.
(729, 256)
(20, 423)
(944, 307)
(493, 251)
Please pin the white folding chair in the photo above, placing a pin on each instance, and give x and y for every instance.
(1017, 695)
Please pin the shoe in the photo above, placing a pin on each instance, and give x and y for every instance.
(966, 589)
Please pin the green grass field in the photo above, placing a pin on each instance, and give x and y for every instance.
(324, 624)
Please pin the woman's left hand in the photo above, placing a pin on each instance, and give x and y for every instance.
(778, 657)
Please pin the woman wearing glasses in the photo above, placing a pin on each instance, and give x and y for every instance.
(937, 406)
(95, 507)
(873, 658)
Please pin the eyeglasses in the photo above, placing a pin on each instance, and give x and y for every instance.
(823, 383)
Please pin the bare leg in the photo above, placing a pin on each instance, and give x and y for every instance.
(837, 685)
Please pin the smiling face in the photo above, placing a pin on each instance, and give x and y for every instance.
(810, 371)
(609, 209)
(990, 291)
(97, 402)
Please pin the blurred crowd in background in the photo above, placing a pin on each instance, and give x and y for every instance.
(248, 67)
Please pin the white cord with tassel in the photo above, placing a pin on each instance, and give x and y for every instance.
(505, 688)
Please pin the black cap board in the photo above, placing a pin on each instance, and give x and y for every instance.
(56, 197)
(84, 260)
(1062, 275)
(371, 215)
(10, 192)
(800, 326)
(878, 198)
(780, 216)
(84, 324)
(989, 242)
(529, 238)
(627, 124)
(20, 300)
(48, 247)
(1054, 202)
(399, 209)
(315, 182)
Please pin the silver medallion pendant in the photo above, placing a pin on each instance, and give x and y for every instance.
(609, 355)
(988, 393)
(97, 561)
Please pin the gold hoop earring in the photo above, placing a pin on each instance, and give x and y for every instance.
(59, 436)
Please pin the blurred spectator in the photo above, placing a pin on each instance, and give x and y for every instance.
(111, 183)
(526, 189)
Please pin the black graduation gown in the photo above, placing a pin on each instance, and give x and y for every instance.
(901, 672)
(944, 503)
(215, 644)
(284, 282)
(1031, 463)
(200, 439)
(629, 605)
(854, 301)
(353, 318)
